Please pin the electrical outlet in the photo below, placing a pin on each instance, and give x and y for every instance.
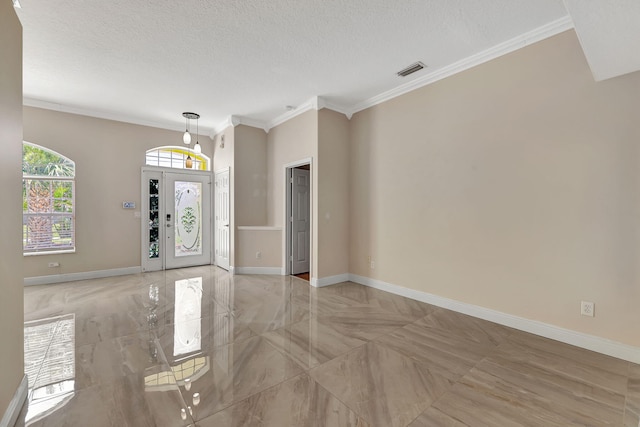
(373, 265)
(54, 264)
(587, 308)
(258, 255)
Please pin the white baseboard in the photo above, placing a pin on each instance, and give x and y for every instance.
(578, 339)
(15, 406)
(85, 275)
(258, 270)
(331, 280)
(232, 270)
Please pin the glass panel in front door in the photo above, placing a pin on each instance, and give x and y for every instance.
(188, 218)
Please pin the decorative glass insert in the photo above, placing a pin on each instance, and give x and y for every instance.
(48, 193)
(188, 214)
(175, 157)
(154, 218)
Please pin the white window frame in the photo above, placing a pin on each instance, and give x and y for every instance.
(52, 215)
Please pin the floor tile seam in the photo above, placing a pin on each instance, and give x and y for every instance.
(324, 319)
(578, 379)
(552, 354)
(304, 369)
(343, 353)
(541, 399)
(401, 313)
(319, 383)
(490, 345)
(432, 405)
(551, 370)
(628, 379)
(491, 348)
(422, 362)
(487, 359)
(236, 402)
(256, 394)
(358, 415)
(627, 409)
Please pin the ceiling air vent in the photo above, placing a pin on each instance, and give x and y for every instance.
(411, 69)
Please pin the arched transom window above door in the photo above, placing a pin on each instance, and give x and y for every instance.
(177, 158)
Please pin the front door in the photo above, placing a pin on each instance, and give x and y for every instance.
(222, 219)
(300, 220)
(188, 220)
(176, 219)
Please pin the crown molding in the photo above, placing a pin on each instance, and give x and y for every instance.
(338, 108)
(548, 30)
(247, 121)
(106, 115)
(314, 103)
(319, 102)
(310, 104)
(234, 121)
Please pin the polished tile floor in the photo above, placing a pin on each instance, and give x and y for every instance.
(199, 347)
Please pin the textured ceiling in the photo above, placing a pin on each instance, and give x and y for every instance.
(147, 61)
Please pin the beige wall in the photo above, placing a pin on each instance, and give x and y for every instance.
(11, 303)
(513, 186)
(291, 141)
(267, 242)
(108, 156)
(250, 161)
(333, 193)
(250, 195)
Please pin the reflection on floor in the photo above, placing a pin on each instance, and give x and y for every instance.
(200, 347)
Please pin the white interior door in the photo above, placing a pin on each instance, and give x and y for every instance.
(187, 220)
(300, 220)
(222, 219)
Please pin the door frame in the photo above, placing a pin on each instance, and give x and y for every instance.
(215, 221)
(144, 208)
(286, 241)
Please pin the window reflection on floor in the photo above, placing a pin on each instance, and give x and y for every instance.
(49, 348)
(187, 363)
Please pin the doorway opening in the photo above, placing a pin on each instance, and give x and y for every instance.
(298, 219)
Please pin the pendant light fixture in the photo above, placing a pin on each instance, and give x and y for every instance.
(197, 148)
(186, 138)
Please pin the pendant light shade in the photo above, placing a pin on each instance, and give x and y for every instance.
(186, 138)
(196, 148)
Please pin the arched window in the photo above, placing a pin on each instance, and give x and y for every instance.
(176, 157)
(48, 205)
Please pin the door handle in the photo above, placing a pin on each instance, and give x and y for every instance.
(226, 225)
